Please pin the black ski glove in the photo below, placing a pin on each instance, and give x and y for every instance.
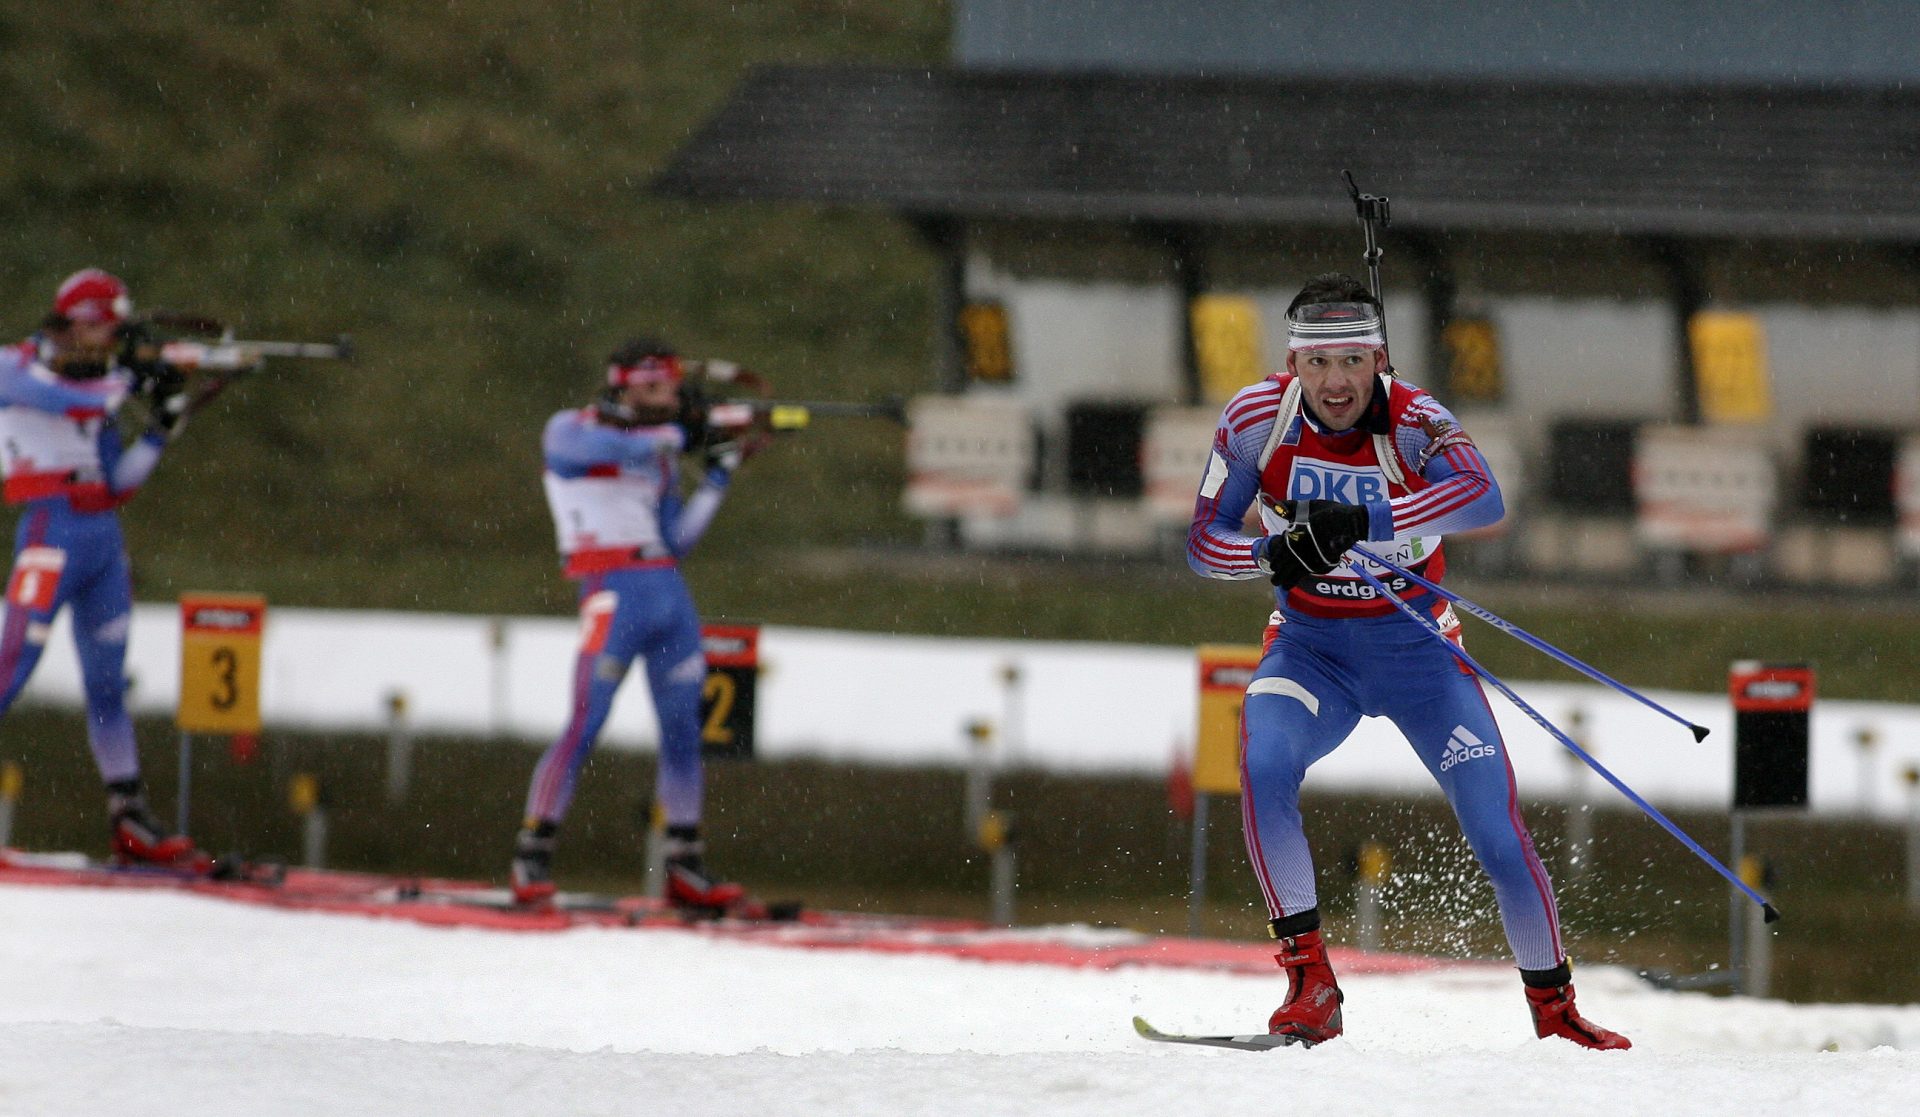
(1320, 534)
(693, 419)
(724, 455)
(164, 388)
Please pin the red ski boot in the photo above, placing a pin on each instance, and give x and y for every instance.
(532, 874)
(1554, 1014)
(688, 886)
(1311, 1013)
(140, 839)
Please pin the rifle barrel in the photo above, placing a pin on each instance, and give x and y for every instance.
(792, 415)
(840, 409)
(340, 350)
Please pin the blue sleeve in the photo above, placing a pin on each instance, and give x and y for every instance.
(670, 507)
(132, 465)
(1463, 494)
(91, 399)
(573, 447)
(691, 520)
(1217, 544)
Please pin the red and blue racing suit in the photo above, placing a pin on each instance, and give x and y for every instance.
(623, 528)
(67, 472)
(1336, 652)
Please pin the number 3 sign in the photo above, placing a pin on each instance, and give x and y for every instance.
(220, 662)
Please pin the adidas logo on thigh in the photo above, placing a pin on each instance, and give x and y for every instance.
(1463, 746)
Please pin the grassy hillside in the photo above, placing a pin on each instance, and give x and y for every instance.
(460, 187)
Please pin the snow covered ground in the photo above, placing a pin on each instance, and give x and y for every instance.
(124, 1002)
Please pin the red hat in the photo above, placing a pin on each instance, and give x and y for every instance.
(91, 295)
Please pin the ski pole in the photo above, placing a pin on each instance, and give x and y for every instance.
(1768, 911)
(1531, 641)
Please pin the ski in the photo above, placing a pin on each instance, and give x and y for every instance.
(217, 870)
(501, 899)
(230, 869)
(1259, 1042)
(602, 908)
(243, 870)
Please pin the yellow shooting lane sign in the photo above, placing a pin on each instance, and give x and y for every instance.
(1225, 671)
(220, 662)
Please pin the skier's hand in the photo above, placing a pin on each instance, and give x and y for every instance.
(730, 450)
(692, 418)
(164, 389)
(1320, 534)
(724, 456)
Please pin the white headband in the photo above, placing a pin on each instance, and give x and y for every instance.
(1334, 326)
(1374, 340)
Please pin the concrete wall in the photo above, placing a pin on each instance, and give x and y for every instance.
(1085, 340)
(1586, 358)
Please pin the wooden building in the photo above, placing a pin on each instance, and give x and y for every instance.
(1665, 290)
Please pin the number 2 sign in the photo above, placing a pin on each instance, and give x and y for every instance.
(727, 697)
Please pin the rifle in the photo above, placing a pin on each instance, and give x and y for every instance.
(156, 336)
(757, 416)
(1375, 212)
(230, 354)
(151, 345)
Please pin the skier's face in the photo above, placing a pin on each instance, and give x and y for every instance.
(651, 394)
(83, 350)
(652, 401)
(1338, 381)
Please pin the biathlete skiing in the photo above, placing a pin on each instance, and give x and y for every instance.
(1337, 451)
(613, 483)
(67, 471)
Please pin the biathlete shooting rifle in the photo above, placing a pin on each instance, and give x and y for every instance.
(1374, 215)
(721, 401)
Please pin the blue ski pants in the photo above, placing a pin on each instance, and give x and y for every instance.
(627, 614)
(1316, 680)
(65, 558)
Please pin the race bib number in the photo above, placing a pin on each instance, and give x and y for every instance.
(596, 620)
(36, 578)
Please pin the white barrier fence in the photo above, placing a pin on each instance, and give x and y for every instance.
(886, 699)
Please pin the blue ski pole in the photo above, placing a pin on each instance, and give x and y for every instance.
(1432, 629)
(1530, 640)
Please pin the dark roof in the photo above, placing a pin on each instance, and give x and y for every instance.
(1690, 161)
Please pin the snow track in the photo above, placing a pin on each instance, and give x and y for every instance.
(157, 1002)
